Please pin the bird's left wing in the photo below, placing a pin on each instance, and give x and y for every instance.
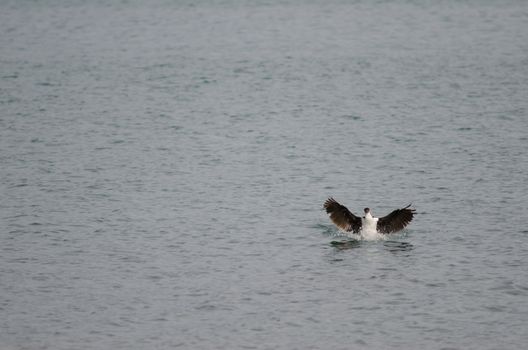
(341, 216)
(396, 220)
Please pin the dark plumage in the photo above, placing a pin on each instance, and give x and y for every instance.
(341, 216)
(395, 221)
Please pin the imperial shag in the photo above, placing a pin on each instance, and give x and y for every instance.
(346, 221)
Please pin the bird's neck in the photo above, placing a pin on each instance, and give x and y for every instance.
(368, 215)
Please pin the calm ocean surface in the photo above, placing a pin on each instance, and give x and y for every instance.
(163, 166)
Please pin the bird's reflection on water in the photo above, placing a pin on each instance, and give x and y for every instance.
(346, 244)
(392, 246)
(395, 246)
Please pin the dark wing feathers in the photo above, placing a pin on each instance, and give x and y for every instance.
(396, 220)
(341, 216)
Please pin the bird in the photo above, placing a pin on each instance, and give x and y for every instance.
(346, 221)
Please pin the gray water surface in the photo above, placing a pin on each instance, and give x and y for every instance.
(164, 165)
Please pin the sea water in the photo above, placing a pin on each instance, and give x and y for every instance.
(163, 167)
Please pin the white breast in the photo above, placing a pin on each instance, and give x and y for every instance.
(368, 226)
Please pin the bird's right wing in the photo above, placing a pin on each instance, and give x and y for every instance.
(341, 216)
(396, 220)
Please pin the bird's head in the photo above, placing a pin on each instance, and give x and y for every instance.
(367, 210)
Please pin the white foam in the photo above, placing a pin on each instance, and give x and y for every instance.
(367, 235)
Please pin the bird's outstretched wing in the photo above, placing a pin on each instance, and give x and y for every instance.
(396, 220)
(341, 216)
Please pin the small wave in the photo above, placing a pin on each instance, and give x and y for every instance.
(396, 246)
(391, 246)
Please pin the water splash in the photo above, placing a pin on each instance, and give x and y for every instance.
(363, 235)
